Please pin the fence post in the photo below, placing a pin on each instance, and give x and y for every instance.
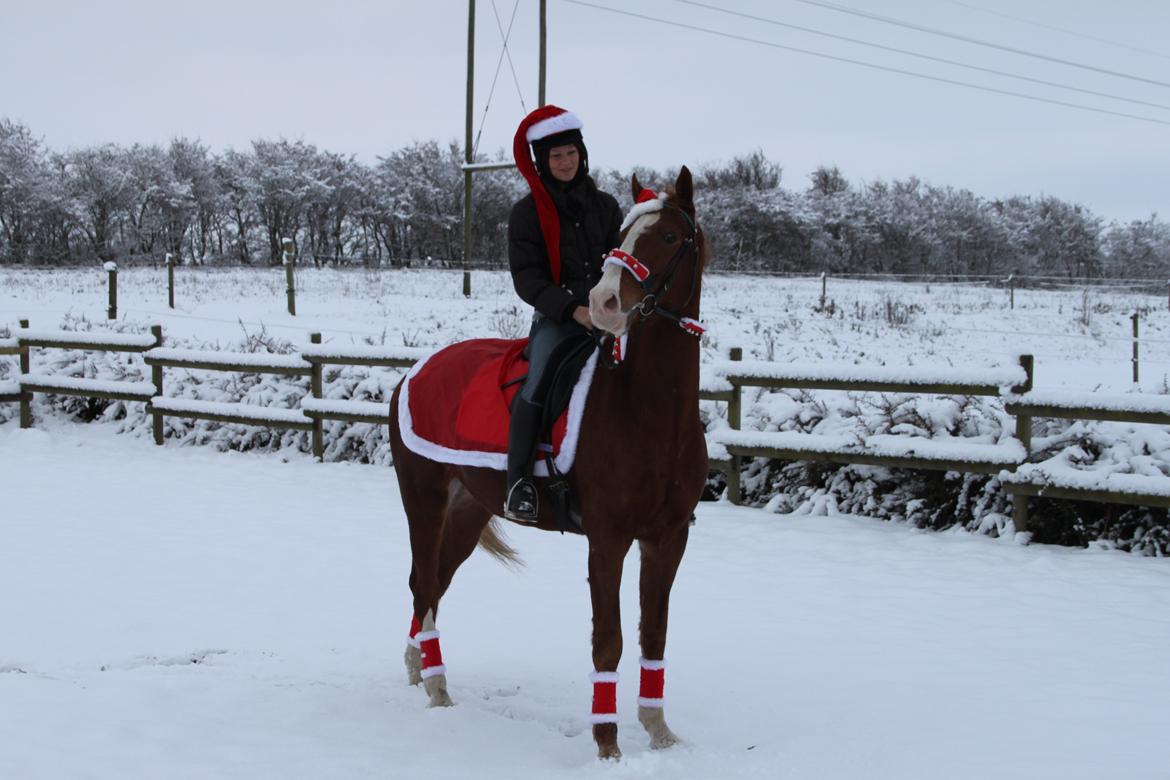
(156, 377)
(1168, 295)
(316, 384)
(26, 419)
(1011, 280)
(734, 412)
(288, 275)
(170, 280)
(1024, 434)
(112, 312)
(824, 287)
(1135, 347)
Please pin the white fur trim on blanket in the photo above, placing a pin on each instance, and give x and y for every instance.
(496, 460)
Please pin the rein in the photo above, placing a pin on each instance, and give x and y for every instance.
(656, 286)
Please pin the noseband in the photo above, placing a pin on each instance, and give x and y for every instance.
(656, 286)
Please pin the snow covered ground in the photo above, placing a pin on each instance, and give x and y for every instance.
(183, 613)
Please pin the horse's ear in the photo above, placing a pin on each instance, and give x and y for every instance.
(684, 188)
(635, 187)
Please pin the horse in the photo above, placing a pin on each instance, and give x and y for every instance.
(640, 466)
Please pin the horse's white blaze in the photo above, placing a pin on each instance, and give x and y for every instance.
(614, 320)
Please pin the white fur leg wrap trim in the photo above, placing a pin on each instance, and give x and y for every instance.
(433, 671)
(413, 642)
(607, 717)
(423, 636)
(655, 703)
(652, 666)
(603, 677)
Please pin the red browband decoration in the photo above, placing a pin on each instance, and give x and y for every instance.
(653, 682)
(604, 697)
(627, 261)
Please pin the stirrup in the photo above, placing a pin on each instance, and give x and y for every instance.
(522, 503)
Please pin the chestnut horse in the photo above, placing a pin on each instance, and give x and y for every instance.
(640, 466)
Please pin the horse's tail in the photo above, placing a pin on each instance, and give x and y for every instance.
(492, 542)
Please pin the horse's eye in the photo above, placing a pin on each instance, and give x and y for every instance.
(670, 238)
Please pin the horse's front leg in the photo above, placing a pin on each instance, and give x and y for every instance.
(605, 579)
(660, 560)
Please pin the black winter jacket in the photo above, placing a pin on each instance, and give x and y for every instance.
(590, 225)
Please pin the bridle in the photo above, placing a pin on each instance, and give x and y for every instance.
(655, 286)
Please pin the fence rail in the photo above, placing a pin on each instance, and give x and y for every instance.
(723, 382)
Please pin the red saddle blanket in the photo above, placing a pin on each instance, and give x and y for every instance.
(454, 405)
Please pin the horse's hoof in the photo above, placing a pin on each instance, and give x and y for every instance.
(436, 688)
(654, 721)
(609, 752)
(605, 735)
(413, 659)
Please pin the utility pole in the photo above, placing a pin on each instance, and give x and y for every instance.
(469, 166)
(543, 50)
(467, 150)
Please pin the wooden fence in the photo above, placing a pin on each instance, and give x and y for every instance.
(723, 381)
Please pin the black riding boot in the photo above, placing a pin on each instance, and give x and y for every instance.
(521, 501)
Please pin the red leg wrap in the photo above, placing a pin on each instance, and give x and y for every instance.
(415, 627)
(604, 697)
(432, 656)
(653, 683)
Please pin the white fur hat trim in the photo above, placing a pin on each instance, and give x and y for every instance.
(553, 125)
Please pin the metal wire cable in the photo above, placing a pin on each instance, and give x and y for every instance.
(1064, 30)
(976, 41)
(874, 66)
(496, 76)
(921, 56)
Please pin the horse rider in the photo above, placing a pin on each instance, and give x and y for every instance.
(558, 236)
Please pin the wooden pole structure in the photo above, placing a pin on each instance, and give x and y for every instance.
(1012, 290)
(288, 275)
(25, 396)
(1024, 434)
(734, 413)
(467, 159)
(543, 51)
(824, 287)
(316, 386)
(1135, 317)
(112, 311)
(170, 280)
(156, 377)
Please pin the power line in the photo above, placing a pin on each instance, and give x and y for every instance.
(978, 42)
(511, 66)
(919, 55)
(874, 66)
(499, 62)
(1064, 30)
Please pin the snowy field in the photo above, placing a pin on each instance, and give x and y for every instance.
(183, 613)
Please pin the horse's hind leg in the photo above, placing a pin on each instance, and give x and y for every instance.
(660, 560)
(463, 520)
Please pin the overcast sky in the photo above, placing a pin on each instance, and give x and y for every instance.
(366, 77)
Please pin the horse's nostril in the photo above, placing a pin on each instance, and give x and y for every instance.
(611, 303)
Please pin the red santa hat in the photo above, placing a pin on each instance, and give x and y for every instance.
(543, 123)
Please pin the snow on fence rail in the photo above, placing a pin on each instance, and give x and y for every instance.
(720, 381)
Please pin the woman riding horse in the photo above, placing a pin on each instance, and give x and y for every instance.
(640, 464)
(558, 236)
